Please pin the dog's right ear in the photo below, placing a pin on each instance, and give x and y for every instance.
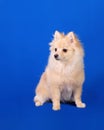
(57, 35)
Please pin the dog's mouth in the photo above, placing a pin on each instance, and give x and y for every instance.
(57, 58)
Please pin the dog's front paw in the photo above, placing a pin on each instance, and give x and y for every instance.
(81, 105)
(56, 107)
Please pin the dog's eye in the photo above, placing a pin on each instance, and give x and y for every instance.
(65, 50)
(55, 49)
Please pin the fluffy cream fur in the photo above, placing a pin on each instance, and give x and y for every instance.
(64, 75)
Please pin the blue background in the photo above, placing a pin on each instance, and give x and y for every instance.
(26, 28)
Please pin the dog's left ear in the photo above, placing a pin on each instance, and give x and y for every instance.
(71, 36)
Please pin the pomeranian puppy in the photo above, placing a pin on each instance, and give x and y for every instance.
(64, 75)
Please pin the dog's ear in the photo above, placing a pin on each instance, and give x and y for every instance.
(71, 36)
(57, 35)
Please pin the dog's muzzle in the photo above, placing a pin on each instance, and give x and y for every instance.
(56, 56)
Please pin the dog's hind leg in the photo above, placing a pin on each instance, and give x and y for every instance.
(41, 91)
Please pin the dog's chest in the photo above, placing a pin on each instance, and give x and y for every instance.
(64, 71)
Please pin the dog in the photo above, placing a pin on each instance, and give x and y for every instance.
(64, 75)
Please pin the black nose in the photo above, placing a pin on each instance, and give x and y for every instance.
(56, 56)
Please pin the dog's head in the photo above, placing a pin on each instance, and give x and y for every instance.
(65, 47)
